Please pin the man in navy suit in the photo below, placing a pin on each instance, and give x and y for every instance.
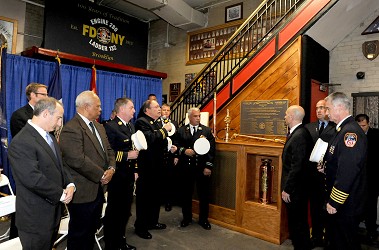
(34, 92)
(324, 129)
(295, 179)
(120, 189)
(43, 185)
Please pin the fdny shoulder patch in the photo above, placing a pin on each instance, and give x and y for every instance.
(350, 139)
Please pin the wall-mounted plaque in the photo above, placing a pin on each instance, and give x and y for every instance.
(174, 91)
(203, 45)
(265, 117)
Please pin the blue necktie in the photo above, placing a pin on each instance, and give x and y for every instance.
(51, 143)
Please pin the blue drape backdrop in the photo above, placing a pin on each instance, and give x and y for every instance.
(20, 71)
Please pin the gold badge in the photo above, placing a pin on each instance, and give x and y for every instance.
(151, 122)
(119, 123)
(199, 128)
(339, 129)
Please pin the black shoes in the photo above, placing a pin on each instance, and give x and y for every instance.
(128, 247)
(185, 223)
(158, 226)
(205, 225)
(317, 242)
(168, 207)
(144, 234)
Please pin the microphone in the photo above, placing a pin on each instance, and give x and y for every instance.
(164, 119)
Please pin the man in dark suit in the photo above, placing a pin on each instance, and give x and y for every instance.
(120, 189)
(345, 175)
(90, 159)
(372, 177)
(195, 168)
(150, 164)
(34, 92)
(324, 129)
(295, 177)
(170, 172)
(43, 185)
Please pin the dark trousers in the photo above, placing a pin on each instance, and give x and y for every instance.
(147, 199)
(13, 233)
(317, 196)
(190, 177)
(170, 182)
(120, 198)
(297, 211)
(41, 240)
(84, 221)
(371, 212)
(342, 232)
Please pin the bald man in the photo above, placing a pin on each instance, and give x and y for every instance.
(295, 175)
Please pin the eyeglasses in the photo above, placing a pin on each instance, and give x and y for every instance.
(40, 93)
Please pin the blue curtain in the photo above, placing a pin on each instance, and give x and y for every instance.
(20, 71)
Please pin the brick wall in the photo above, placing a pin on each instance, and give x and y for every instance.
(346, 59)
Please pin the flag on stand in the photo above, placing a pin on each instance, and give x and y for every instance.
(55, 84)
(55, 90)
(93, 80)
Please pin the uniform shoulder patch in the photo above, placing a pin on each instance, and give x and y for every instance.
(350, 139)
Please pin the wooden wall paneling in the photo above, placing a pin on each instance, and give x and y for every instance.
(279, 80)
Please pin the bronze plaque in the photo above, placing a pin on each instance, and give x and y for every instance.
(264, 117)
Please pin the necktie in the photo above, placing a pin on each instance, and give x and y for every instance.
(94, 133)
(321, 128)
(194, 130)
(129, 127)
(51, 143)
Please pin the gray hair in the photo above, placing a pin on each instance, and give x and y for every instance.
(189, 112)
(121, 102)
(339, 98)
(85, 98)
(48, 103)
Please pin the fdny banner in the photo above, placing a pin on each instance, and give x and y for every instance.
(87, 29)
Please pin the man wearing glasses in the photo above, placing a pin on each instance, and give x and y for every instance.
(34, 93)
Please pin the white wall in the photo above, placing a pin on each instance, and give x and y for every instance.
(346, 59)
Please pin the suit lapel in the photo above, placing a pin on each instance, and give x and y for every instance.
(91, 135)
(41, 141)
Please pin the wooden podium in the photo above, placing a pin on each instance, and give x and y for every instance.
(235, 202)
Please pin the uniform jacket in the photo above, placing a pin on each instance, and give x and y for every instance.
(345, 168)
(152, 158)
(84, 157)
(295, 160)
(185, 140)
(119, 136)
(40, 180)
(19, 118)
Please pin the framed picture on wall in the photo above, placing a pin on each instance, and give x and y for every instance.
(174, 91)
(233, 12)
(8, 33)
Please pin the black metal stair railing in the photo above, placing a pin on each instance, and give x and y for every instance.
(262, 24)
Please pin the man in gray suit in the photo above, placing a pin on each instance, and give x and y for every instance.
(43, 185)
(90, 159)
